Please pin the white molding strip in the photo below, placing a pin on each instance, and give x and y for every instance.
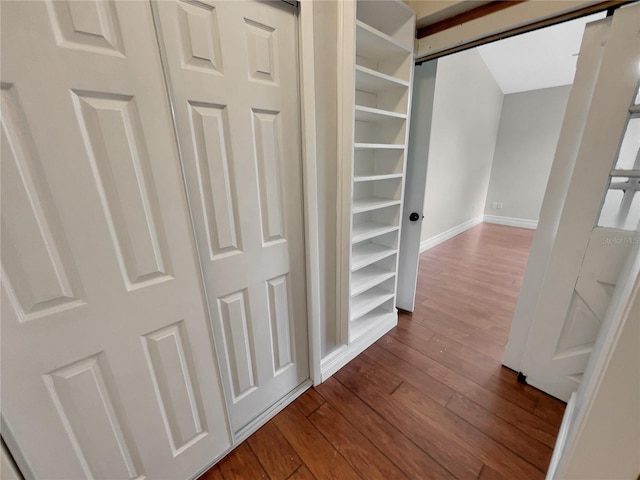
(344, 354)
(562, 437)
(452, 232)
(511, 221)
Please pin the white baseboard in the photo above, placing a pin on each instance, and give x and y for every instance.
(343, 355)
(452, 232)
(511, 222)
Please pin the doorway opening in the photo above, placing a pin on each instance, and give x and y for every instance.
(497, 114)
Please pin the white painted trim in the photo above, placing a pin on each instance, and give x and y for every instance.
(346, 132)
(310, 185)
(518, 16)
(625, 295)
(8, 469)
(258, 422)
(511, 221)
(271, 412)
(344, 354)
(452, 232)
(14, 449)
(562, 437)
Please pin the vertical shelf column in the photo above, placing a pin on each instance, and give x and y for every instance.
(384, 34)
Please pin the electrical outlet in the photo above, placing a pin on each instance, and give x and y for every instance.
(499, 205)
(494, 205)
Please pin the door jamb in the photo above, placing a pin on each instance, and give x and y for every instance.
(306, 80)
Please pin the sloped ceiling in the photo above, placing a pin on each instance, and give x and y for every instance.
(540, 59)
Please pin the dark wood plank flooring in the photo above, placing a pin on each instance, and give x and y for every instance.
(430, 400)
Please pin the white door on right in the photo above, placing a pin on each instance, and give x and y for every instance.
(233, 76)
(599, 217)
(424, 86)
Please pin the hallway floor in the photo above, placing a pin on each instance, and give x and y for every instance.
(430, 400)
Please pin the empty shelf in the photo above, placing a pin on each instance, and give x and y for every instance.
(368, 277)
(367, 204)
(370, 321)
(367, 301)
(369, 230)
(375, 45)
(364, 255)
(373, 178)
(378, 146)
(369, 80)
(371, 114)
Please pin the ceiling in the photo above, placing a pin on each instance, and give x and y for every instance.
(540, 59)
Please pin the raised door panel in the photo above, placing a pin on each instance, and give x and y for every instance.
(267, 153)
(86, 409)
(117, 151)
(216, 177)
(87, 25)
(37, 267)
(604, 259)
(170, 361)
(234, 88)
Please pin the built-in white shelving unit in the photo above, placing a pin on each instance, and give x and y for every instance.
(376, 98)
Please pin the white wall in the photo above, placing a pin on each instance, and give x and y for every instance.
(466, 115)
(525, 147)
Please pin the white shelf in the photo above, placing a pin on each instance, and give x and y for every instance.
(360, 233)
(384, 34)
(368, 277)
(367, 204)
(369, 80)
(393, 18)
(372, 44)
(373, 178)
(370, 114)
(378, 146)
(367, 301)
(365, 255)
(369, 322)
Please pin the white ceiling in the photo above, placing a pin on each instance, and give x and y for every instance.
(540, 59)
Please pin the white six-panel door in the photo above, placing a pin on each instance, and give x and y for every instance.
(108, 366)
(233, 80)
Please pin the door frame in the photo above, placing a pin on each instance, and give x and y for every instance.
(495, 28)
(307, 81)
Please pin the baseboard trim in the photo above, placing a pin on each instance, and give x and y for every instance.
(562, 438)
(258, 422)
(452, 232)
(511, 221)
(343, 355)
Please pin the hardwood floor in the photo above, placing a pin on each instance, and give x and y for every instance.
(430, 400)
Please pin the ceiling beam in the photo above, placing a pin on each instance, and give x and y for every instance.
(505, 22)
(466, 16)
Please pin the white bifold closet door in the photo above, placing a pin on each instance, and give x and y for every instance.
(232, 69)
(108, 365)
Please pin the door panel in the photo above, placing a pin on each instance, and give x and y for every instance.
(108, 363)
(424, 85)
(584, 261)
(598, 277)
(233, 76)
